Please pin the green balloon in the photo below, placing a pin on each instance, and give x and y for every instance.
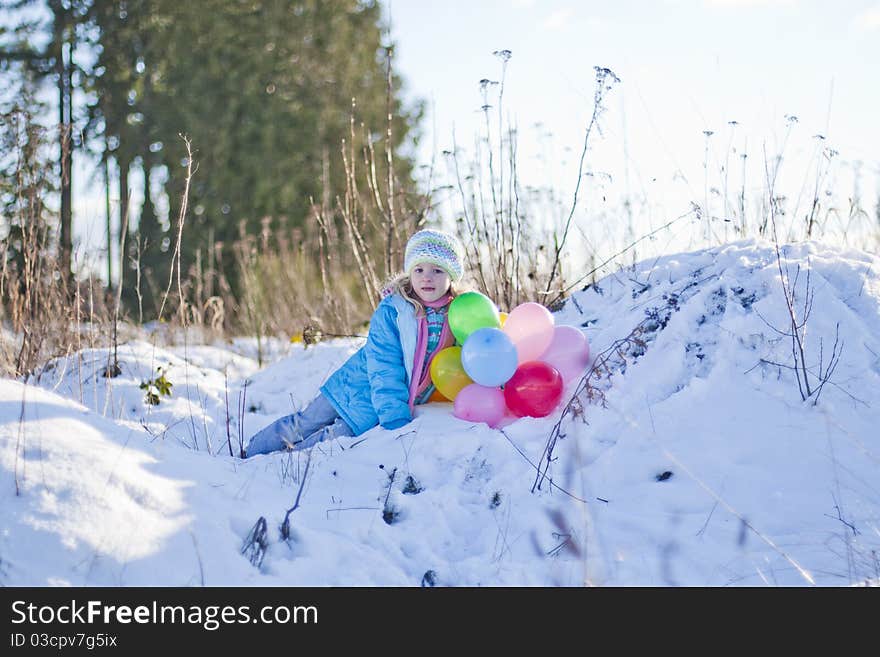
(471, 311)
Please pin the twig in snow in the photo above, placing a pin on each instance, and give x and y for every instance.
(350, 508)
(285, 526)
(226, 397)
(574, 406)
(198, 558)
(389, 513)
(708, 518)
(19, 440)
(529, 461)
(256, 542)
(840, 517)
(242, 397)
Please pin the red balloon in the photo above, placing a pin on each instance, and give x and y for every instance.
(534, 390)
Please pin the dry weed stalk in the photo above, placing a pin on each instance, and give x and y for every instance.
(605, 80)
(798, 316)
(41, 310)
(587, 391)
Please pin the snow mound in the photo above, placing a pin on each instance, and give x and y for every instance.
(693, 461)
(715, 470)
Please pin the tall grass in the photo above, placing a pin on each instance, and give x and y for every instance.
(42, 317)
(321, 275)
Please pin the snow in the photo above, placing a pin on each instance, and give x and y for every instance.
(696, 463)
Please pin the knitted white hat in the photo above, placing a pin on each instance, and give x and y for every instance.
(437, 248)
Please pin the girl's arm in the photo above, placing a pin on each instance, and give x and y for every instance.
(387, 373)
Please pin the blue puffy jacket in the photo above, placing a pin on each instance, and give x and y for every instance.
(372, 387)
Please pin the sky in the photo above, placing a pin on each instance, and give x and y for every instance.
(685, 67)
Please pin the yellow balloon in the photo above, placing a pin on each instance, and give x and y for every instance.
(447, 373)
(503, 318)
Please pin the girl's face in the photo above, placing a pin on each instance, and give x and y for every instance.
(429, 281)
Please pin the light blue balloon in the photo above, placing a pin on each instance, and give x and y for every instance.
(489, 357)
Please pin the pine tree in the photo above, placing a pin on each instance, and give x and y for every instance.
(265, 90)
(56, 61)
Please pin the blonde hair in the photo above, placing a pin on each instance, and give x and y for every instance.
(402, 285)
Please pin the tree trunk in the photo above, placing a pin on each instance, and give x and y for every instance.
(124, 165)
(109, 217)
(66, 159)
(147, 224)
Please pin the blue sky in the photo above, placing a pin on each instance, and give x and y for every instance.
(685, 66)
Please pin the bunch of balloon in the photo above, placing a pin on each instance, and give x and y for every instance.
(549, 357)
(518, 364)
(469, 375)
(447, 373)
(569, 352)
(468, 312)
(489, 358)
(535, 388)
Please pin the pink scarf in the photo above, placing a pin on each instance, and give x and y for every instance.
(421, 372)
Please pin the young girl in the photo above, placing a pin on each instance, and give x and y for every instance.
(387, 377)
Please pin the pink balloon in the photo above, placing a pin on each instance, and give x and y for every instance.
(477, 403)
(569, 352)
(530, 327)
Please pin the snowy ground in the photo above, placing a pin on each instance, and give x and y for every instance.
(703, 466)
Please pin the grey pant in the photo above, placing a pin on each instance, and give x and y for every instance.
(319, 421)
